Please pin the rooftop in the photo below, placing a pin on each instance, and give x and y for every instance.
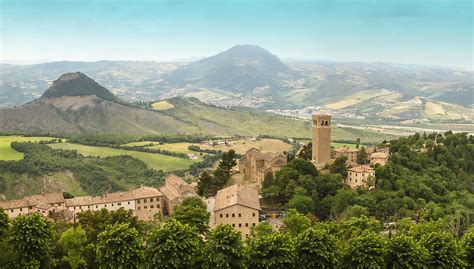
(381, 155)
(237, 195)
(346, 150)
(361, 169)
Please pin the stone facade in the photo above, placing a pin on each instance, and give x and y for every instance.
(321, 139)
(360, 176)
(145, 202)
(175, 190)
(256, 164)
(378, 158)
(238, 206)
(350, 153)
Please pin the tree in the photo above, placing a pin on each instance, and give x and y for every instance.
(205, 187)
(173, 245)
(357, 142)
(262, 229)
(365, 251)
(339, 166)
(193, 211)
(32, 240)
(274, 250)
(224, 248)
(301, 202)
(317, 248)
(444, 251)
(119, 246)
(4, 223)
(74, 241)
(362, 156)
(228, 160)
(468, 242)
(306, 152)
(404, 251)
(295, 223)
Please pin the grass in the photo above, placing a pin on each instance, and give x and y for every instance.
(337, 145)
(155, 161)
(162, 105)
(241, 146)
(9, 154)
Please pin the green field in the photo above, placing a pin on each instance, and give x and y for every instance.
(337, 145)
(155, 161)
(9, 154)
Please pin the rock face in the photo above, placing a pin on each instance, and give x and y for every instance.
(77, 84)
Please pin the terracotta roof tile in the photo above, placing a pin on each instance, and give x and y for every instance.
(237, 195)
(361, 169)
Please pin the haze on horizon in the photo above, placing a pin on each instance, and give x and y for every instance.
(426, 32)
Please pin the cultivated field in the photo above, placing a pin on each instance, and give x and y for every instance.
(155, 161)
(241, 146)
(9, 154)
(162, 105)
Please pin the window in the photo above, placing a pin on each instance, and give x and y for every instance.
(144, 200)
(240, 224)
(253, 214)
(233, 215)
(221, 215)
(157, 199)
(119, 204)
(74, 208)
(240, 215)
(112, 204)
(96, 206)
(138, 208)
(21, 209)
(151, 206)
(253, 224)
(31, 207)
(88, 206)
(128, 202)
(158, 206)
(246, 225)
(233, 225)
(226, 215)
(138, 201)
(11, 210)
(151, 199)
(145, 207)
(105, 205)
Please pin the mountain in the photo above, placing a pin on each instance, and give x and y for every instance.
(77, 84)
(241, 69)
(77, 104)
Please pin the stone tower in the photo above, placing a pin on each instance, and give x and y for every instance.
(321, 138)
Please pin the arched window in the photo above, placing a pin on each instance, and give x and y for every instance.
(327, 123)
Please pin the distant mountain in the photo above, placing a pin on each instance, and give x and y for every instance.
(241, 69)
(77, 84)
(77, 104)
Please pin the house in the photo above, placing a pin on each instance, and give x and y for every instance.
(256, 164)
(41, 203)
(361, 176)
(350, 153)
(238, 206)
(175, 190)
(378, 157)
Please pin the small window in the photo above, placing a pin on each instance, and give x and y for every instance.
(88, 206)
(151, 199)
(233, 225)
(157, 199)
(96, 206)
(240, 215)
(158, 206)
(240, 224)
(11, 210)
(145, 207)
(139, 208)
(253, 214)
(138, 201)
(105, 205)
(21, 209)
(233, 215)
(119, 204)
(151, 206)
(31, 207)
(226, 215)
(144, 200)
(128, 202)
(253, 224)
(112, 204)
(221, 215)
(246, 225)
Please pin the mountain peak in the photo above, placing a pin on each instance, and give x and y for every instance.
(77, 84)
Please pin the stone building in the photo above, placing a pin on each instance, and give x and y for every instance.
(41, 203)
(238, 206)
(256, 164)
(361, 176)
(321, 139)
(175, 190)
(378, 158)
(145, 202)
(350, 153)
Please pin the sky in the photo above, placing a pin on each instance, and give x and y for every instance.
(427, 32)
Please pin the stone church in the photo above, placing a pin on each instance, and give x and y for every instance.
(256, 164)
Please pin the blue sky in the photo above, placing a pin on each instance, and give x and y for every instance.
(429, 32)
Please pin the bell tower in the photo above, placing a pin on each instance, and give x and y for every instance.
(321, 138)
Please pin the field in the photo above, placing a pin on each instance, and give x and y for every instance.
(155, 161)
(9, 154)
(241, 146)
(162, 105)
(337, 145)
